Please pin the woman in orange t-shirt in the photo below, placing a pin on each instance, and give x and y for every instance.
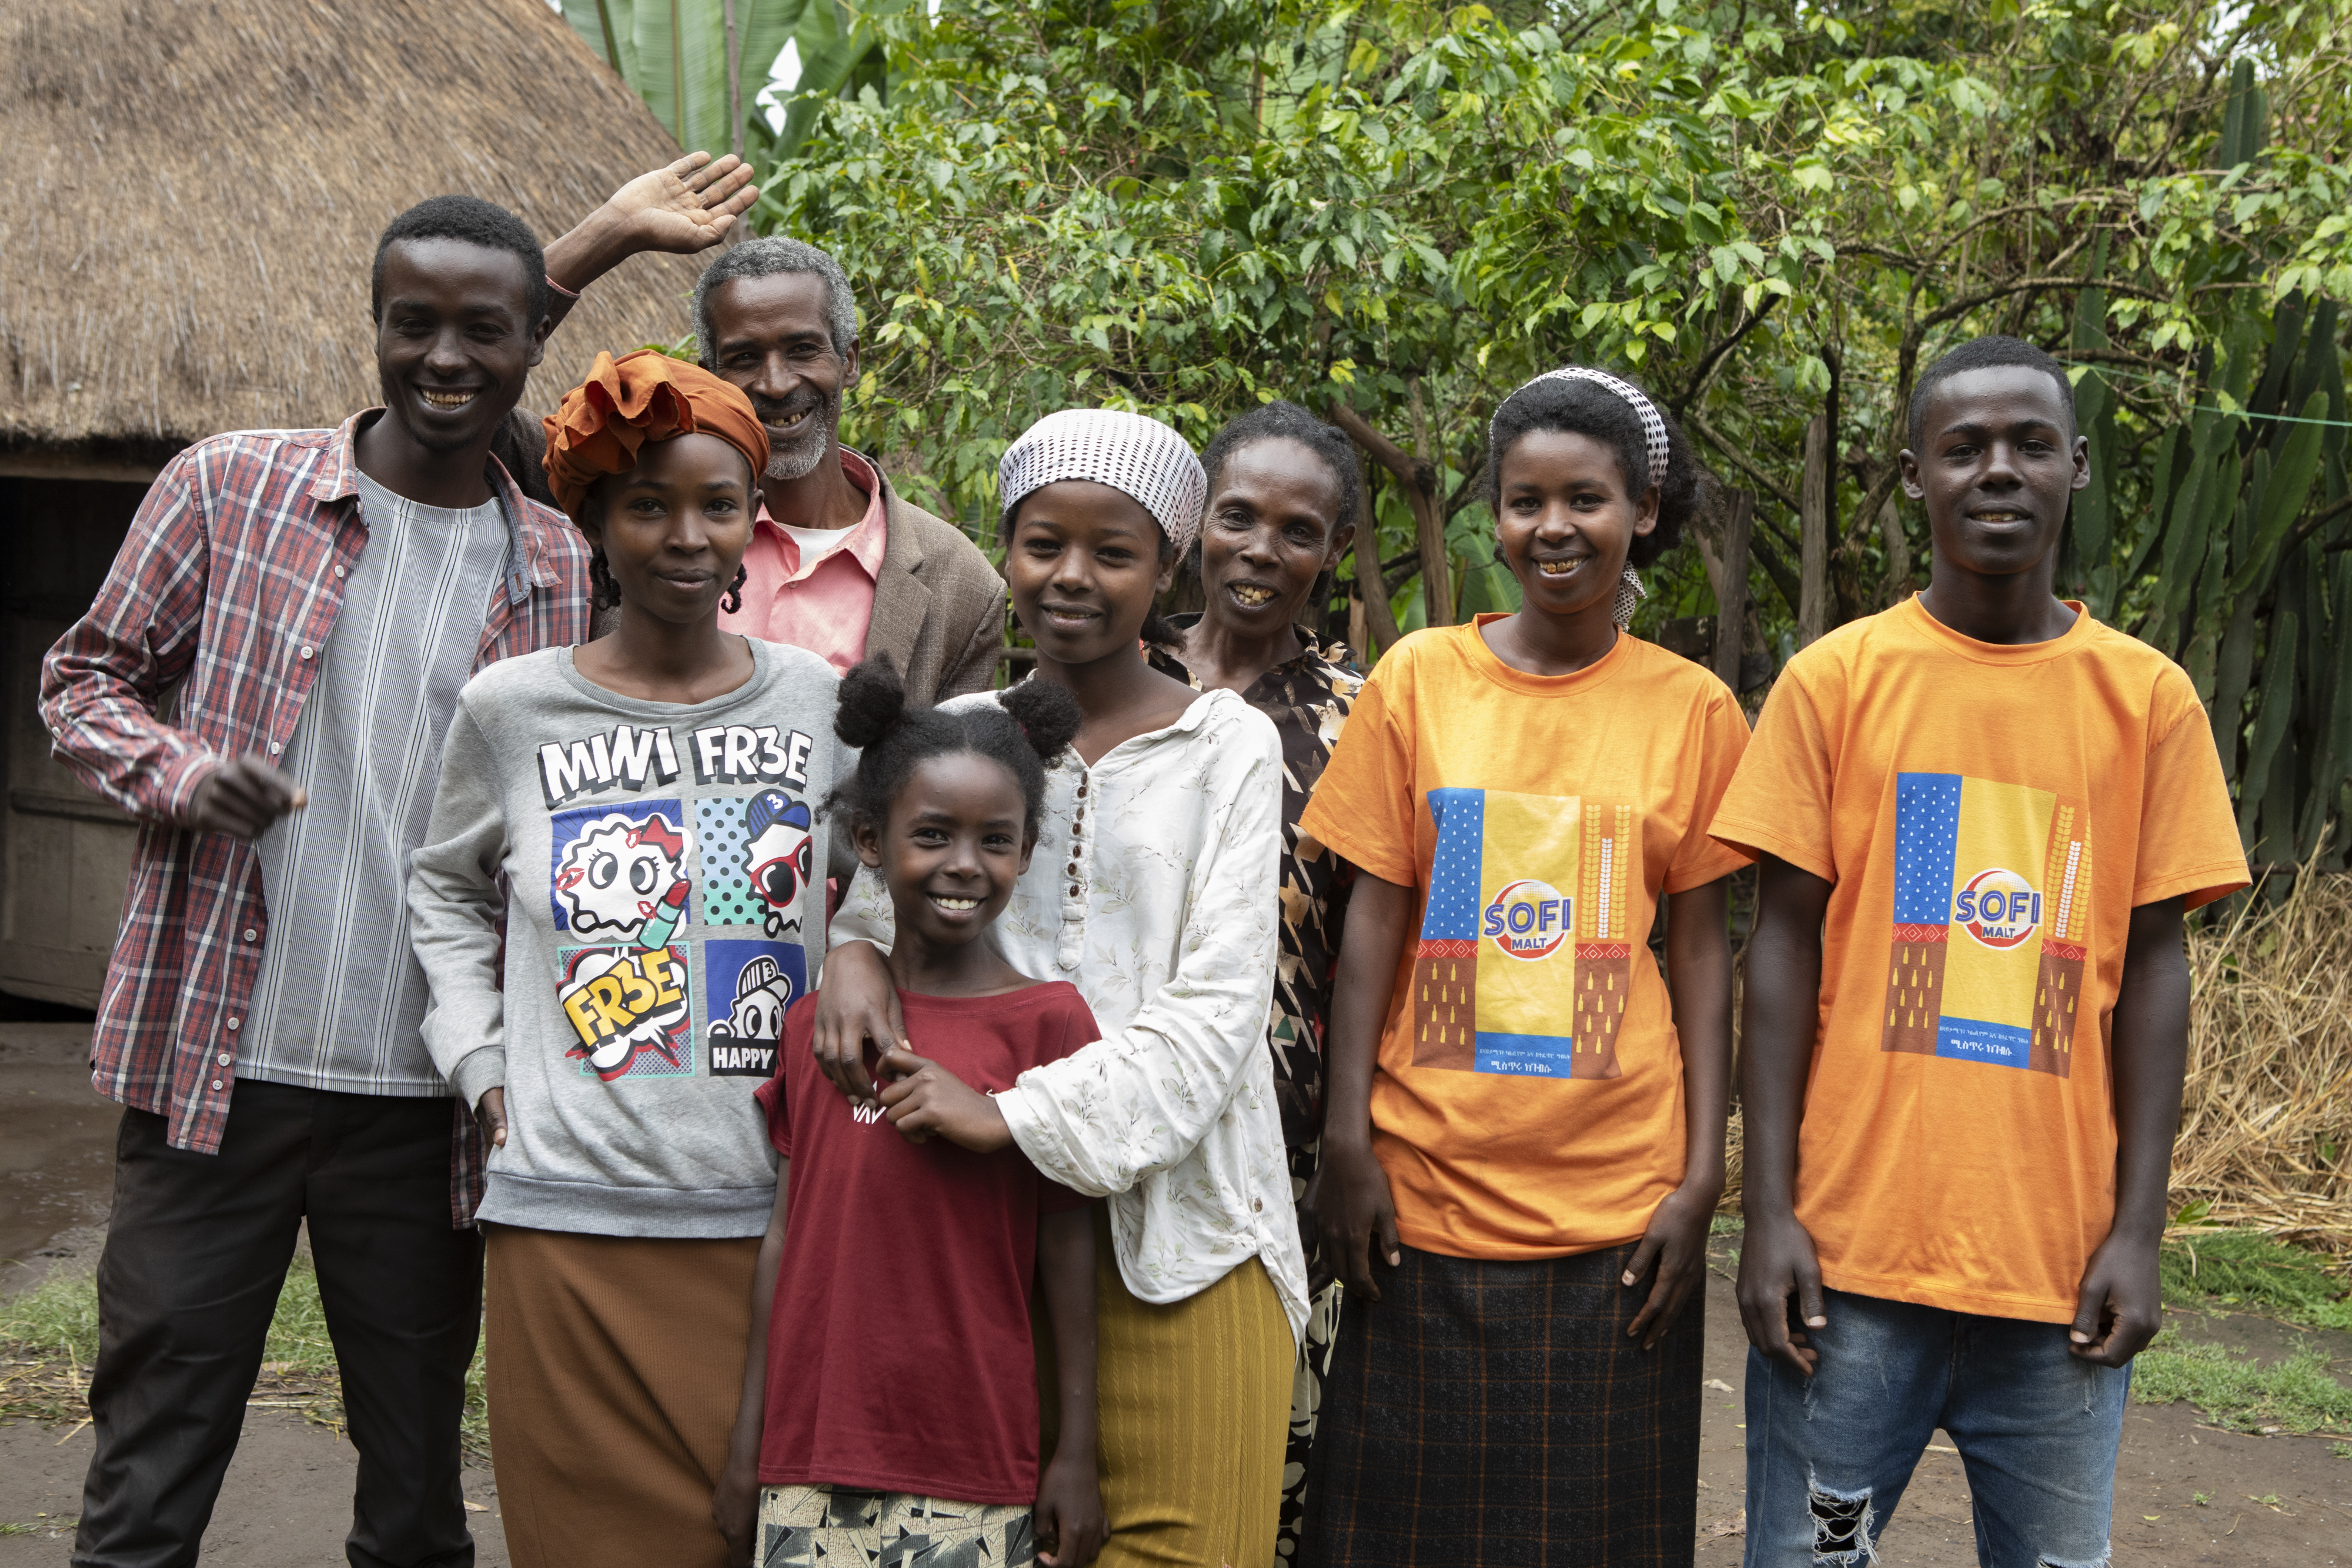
(1523, 1141)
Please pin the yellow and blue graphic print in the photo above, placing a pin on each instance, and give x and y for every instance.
(1526, 955)
(1992, 922)
(747, 987)
(628, 1011)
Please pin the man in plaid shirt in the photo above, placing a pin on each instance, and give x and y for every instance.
(265, 680)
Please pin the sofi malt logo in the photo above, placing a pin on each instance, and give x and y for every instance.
(1528, 919)
(1998, 908)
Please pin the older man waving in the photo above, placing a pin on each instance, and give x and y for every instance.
(840, 563)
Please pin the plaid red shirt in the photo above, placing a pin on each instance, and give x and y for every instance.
(227, 588)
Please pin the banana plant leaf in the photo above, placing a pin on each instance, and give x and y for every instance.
(673, 54)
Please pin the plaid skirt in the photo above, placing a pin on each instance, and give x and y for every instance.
(1494, 1414)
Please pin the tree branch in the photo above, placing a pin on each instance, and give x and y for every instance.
(1418, 477)
(1714, 357)
(1777, 570)
(1876, 253)
(1866, 517)
(1967, 303)
(2296, 539)
(1740, 460)
(1469, 490)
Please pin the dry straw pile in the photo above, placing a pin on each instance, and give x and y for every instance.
(2266, 1123)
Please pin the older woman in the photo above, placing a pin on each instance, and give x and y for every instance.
(1283, 499)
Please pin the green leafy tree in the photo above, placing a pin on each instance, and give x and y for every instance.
(1775, 215)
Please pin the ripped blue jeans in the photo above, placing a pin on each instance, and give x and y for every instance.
(1829, 1456)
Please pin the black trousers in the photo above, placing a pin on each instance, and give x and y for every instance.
(196, 1253)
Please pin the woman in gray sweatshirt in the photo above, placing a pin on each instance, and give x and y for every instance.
(620, 893)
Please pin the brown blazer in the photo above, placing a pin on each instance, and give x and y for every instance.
(939, 606)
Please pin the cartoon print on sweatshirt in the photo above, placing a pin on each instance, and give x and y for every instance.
(757, 857)
(747, 987)
(619, 871)
(628, 1011)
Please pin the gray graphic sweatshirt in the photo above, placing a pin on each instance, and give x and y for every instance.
(666, 877)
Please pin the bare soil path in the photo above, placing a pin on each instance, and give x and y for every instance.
(2272, 1502)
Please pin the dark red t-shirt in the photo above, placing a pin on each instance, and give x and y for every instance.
(899, 1351)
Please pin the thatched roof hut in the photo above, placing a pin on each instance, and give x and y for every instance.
(195, 192)
(193, 196)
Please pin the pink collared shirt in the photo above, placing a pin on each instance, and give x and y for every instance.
(826, 606)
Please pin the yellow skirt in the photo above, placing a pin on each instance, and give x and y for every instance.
(1194, 1408)
(614, 1366)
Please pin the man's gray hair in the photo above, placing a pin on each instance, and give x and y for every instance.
(766, 259)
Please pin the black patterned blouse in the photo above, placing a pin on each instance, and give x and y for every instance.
(1308, 699)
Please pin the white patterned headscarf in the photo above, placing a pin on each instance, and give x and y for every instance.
(1655, 451)
(1128, 451)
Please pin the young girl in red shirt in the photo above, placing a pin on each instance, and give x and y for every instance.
(916, 1252)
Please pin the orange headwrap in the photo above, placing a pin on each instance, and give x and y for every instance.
(637, 398)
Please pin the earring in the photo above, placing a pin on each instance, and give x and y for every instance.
(604, 593)
(731, 600)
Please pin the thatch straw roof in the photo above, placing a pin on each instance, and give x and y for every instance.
(195, 192)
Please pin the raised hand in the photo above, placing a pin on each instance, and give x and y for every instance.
(682, 207)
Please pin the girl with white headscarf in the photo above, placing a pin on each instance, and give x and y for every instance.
(1153, 888)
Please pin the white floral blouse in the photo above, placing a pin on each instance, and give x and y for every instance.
(1154, 890)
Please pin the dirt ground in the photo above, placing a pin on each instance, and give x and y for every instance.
(2273, 1502)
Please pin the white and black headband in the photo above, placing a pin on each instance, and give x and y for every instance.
(1654, 450)
(1653, 424)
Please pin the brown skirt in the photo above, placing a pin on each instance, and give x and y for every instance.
(614, 1365)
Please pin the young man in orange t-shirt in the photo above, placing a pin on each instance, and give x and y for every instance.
(1980, 817)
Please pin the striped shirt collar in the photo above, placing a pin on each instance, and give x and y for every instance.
(527, 564)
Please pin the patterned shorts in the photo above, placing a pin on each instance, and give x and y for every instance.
(838, 1527)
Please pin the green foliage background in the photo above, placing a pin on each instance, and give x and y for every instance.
(1766, 210)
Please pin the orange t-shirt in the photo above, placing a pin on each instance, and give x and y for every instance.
(1990, 817)
(1527, 1100)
